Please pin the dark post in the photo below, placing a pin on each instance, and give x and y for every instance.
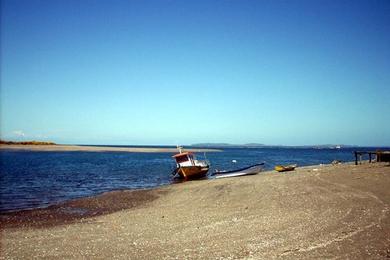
(369, 155)
(356, 159)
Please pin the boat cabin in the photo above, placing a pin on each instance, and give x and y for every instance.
(184, 159)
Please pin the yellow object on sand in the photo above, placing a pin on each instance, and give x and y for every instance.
(285, 168)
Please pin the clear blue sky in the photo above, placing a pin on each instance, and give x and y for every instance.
(168, 72)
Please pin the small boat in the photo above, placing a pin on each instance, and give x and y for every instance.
(285, 168)
(188, 167)
(250, 170)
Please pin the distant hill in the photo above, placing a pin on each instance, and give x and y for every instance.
(332, 146)
(227, 145)
(257, 145)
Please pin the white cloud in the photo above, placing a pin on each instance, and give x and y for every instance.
(19, 133)
(42, 137)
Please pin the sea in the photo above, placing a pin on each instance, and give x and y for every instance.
(37, 179)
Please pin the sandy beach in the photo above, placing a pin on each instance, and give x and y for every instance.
(329, 211)
(85, 148)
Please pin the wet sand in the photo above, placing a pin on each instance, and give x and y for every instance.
(339, 211)
(82, 148)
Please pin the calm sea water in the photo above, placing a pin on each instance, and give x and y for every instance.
(39, 179)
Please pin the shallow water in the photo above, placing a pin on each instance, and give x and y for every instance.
(39, 179)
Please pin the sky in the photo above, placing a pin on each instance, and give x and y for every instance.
(181, 72)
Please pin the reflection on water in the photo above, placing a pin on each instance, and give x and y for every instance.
(38, 179)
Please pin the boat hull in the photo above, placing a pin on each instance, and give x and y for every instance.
(251, 170)
(192, 172)
(238, 174)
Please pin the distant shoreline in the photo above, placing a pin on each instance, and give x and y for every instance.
(82, 148)
(2, 142)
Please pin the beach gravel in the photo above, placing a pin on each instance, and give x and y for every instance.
(329, 211)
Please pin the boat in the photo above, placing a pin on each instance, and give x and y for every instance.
(285, 168)
(250, 170)
(188, 167)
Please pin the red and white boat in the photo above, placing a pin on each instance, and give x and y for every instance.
(188, 167)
